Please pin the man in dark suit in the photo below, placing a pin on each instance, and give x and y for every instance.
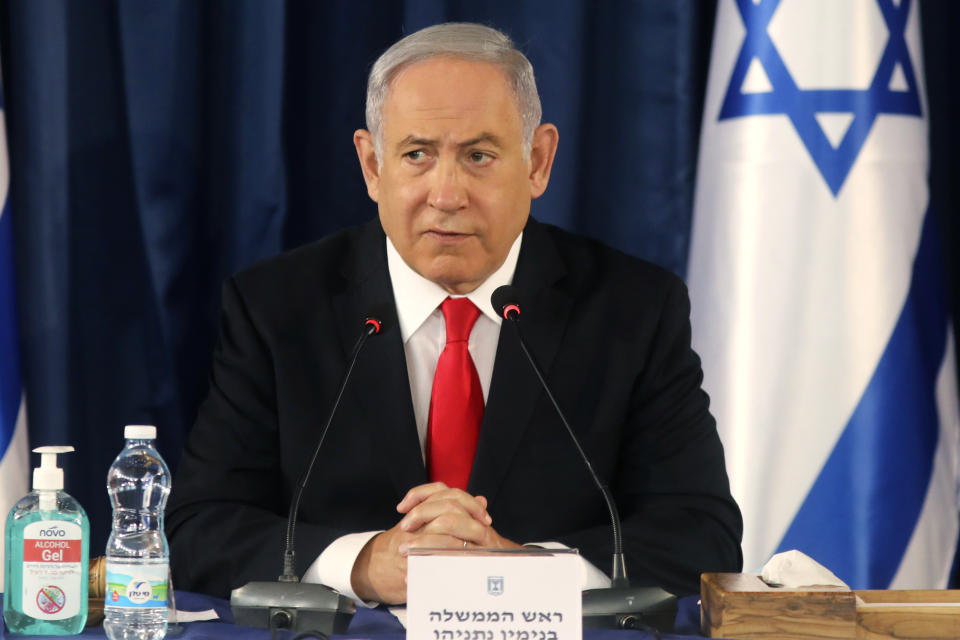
(454, 153)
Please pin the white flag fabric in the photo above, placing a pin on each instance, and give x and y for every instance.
(816, 283)
(14, 456)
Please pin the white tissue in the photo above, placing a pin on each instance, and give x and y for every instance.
(796, 569)
(191, 616)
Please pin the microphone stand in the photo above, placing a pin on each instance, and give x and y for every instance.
(620, 606)
(288, 603)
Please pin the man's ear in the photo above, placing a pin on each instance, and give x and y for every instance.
(369, 165)
(544, 148)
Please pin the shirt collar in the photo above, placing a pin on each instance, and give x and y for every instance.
(416, 297)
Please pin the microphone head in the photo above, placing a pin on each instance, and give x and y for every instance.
(373, 325)
(379, 317)
(506, 302)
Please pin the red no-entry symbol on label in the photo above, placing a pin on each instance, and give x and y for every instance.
(50, 599)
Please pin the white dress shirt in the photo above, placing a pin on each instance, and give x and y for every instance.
(423, 331)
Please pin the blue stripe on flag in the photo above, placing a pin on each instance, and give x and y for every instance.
(858, 517)
(9, 355)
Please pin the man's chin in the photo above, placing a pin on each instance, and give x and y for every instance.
(457, 281)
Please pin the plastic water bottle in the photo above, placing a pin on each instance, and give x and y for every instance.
(137, 551)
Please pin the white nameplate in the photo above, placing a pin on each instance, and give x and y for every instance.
(494, 594)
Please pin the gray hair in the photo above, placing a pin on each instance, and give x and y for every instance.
(462, 40)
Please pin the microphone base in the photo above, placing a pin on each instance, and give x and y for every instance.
(629, 608)
(291, 605)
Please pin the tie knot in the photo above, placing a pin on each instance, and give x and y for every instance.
(459, 314)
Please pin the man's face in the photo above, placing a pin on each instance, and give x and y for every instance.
(453, 187)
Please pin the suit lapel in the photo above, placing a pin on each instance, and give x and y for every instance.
(380, 387)
(514, 388)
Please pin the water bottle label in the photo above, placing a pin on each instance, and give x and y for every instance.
(136, 586)
(52, 569)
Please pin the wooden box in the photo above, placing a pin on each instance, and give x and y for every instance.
(739, 605)
(925, 615)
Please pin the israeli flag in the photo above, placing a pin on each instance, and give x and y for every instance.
(14, 456)
(817, 291)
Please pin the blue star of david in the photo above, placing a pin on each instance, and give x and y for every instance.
(801, 106)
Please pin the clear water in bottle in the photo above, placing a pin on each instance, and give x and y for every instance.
(137, 551)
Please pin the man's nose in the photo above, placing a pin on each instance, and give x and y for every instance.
(447, 192)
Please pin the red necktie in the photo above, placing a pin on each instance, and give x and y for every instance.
(456, 402)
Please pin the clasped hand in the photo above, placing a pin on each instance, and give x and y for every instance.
(434, 516)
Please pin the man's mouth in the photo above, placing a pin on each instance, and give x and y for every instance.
(447, 237)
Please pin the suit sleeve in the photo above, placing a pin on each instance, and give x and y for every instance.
(226, 519)
(671, 485)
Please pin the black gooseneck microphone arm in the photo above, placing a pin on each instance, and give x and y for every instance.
(619, 606)
(371, 326)
(314, 609)
(507, 306)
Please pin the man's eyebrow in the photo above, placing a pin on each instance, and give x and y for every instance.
(416, 141)
(483, 137)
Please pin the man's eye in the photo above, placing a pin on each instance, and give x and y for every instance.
(417, 155)
(479, 157)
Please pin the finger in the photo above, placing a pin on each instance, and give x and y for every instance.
(451, 499)
(467, 502)
(432, 541)
(427, 511)
(457, 525)
(439, 491)
(454, 505)
(418, 494)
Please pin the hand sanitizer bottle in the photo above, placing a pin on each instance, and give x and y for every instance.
(47, 551)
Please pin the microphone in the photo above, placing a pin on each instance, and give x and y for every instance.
(288, 604)
(620, 606)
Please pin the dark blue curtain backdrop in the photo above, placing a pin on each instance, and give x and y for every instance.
(158, 147)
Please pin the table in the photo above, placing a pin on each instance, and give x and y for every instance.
(373, 624)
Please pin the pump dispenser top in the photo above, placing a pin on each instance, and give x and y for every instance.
(48, 476)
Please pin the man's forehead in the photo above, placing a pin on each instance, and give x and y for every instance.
(451, 99)
(432, 85)
(448, 65)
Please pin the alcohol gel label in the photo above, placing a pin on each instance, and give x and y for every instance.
(136, 586)
(52, 569)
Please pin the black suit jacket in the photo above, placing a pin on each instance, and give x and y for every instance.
(612, 334)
